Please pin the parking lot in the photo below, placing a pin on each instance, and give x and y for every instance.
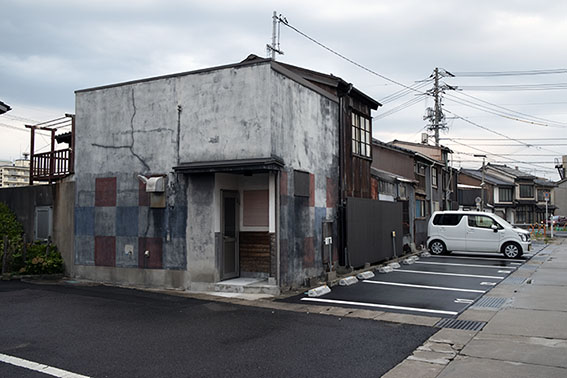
(441, 286)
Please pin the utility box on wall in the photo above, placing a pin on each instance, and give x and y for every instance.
(155, 186)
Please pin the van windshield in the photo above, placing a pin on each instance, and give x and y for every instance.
(501, 221)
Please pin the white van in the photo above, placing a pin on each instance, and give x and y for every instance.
(475, 232)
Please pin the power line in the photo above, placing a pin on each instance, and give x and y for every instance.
(503, 138)
(517, 87)
(511, 73)
(286, 23)
(400, 107)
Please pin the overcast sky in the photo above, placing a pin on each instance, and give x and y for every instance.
(49, 49)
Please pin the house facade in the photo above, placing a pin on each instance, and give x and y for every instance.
(191, 179)
(516, 196)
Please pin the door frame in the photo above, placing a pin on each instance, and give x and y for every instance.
(236, 272)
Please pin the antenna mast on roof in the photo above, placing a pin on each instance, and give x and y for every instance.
(275, 46)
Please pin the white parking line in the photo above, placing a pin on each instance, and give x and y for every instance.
(449, 274)
(461, 300)
(415, 309)
(45, 369)
(476, 258)
(471, 265)
(424, 286)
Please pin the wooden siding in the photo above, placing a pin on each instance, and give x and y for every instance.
(255, 248)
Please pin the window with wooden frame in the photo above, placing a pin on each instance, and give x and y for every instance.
(361, 135)
(434, 177)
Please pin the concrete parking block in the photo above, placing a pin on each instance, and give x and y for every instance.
(414, 369)
(536, 323)
(540, 297)
(409, 319)
(530, 350)
(456, 337)
(432, 357)
(469, 367)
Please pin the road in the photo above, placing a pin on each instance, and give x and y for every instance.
(102, 331)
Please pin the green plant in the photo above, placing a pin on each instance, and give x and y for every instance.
(42, 259)
(10, 227)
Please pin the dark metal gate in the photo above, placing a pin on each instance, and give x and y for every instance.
(374, 230)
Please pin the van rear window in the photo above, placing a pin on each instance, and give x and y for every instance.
(447, 219)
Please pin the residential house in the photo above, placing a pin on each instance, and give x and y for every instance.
(245, 170)
(518, 197)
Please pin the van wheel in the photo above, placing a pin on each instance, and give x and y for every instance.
(437, 247)
(512, 250)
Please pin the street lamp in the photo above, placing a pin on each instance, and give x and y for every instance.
(482, 183)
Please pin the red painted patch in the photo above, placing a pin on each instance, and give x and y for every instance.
(311, 190)
(105, 191)
(331, 192)
(155, 248)
(308, 252)
(283, 183)
(374, 188)
(143, 196)
(105, 251)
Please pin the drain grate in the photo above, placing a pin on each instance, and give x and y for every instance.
(467, 325)
(514, 280)
(490, 302)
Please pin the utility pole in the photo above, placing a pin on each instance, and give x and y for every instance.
(482, 184)
(435, 115)
(275, 46)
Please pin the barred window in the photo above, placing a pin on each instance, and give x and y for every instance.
(361, 136)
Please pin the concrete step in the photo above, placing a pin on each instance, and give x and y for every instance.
(247, 286)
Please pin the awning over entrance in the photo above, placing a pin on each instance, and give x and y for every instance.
(273, 163)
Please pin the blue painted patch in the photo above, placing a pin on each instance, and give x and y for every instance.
(84, 221)
(178, 221)
(127, 221)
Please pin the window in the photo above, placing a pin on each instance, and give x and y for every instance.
(256, 208)
(541, 195)
(419, 169)
(42, 222)
(388, 188)
(402, 191)
(481, 221)
(434, 177)
(447, 219)
(420, 208)
(361, 136)
(526, 191)
(524, 214)
(505, 194)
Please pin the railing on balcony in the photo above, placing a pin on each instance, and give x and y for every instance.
(51, 165)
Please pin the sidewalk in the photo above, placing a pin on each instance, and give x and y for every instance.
(525, 330)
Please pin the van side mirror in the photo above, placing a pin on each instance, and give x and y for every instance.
(494, 227)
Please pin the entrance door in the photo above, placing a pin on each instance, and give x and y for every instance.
(229, 232)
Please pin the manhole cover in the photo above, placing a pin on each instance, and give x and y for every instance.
(467, 325)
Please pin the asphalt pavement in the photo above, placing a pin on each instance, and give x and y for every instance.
(103, 331)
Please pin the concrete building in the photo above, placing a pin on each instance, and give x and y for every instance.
(14, 174)
(560, 196)
(189, 180)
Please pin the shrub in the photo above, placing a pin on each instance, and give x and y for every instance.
(41, 259)
(11, 227)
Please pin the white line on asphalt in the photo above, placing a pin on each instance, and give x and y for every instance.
(455, 264)
(461, 300)
(476, 258)
(488, 284)
(45, 369)
(424, 286)
(448, 274)
(415, 309)
(505, 271)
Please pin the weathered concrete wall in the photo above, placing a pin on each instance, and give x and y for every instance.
(560, 196)
(60, 197)
(23, 201)
(225, 114)
(63, 221)
(305, 135)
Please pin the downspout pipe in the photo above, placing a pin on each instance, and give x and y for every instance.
(342, 93)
